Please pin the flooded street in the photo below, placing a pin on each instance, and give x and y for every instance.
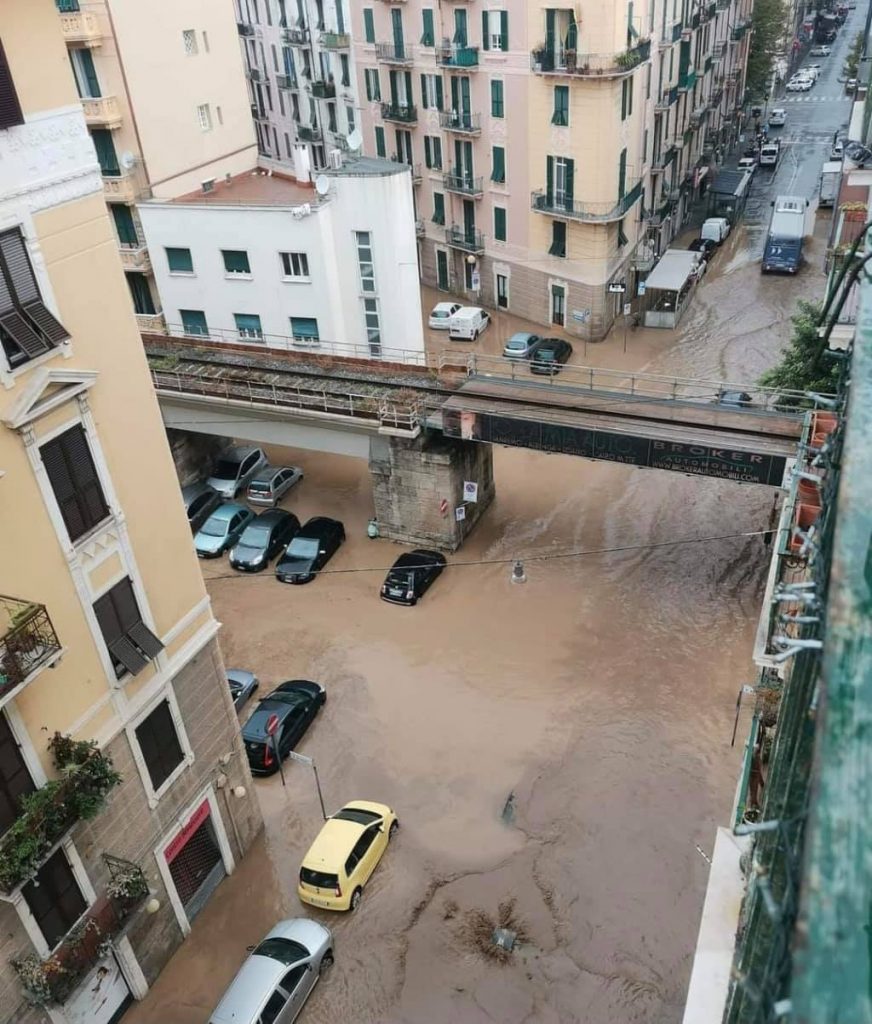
(555, 751)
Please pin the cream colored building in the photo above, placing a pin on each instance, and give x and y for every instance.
(165, 99)
(106, 632)
(556, 146)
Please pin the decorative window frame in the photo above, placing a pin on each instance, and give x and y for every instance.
(167, 694)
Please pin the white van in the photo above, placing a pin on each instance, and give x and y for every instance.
(467, 323)
(715, 228)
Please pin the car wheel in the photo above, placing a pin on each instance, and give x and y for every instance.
(326, 963)
(392, 831)
(356, 897)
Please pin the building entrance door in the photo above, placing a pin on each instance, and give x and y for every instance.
(195, 862)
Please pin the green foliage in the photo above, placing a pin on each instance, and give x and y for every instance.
(768, 25)
(804, 365)
(853, 60)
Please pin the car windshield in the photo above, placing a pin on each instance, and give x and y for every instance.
(255, 536)
(441, 313)
(259, 486)
(286, 951)
(357, 814)
(226, 469)
(303, 547)
(214, 527)
(320, 879)
(546, 354)
(518, 343)
(291, 697)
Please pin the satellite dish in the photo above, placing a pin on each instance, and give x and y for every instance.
(128, 159)
(355, 139)
(322, 184)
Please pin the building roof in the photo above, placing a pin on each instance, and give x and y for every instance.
(674, 268)
(364, 166)
(253, 188)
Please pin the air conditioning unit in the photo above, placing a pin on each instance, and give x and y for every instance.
(208, 185)
(336, 159)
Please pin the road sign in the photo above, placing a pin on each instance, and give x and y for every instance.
(641, 288)
(617, 287)
(470, 490)
(294, 756)
(272, 724)
(443, 507)
(581, 315)
(460, 513)
(628, 308)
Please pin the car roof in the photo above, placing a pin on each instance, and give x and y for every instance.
(445, 305)
(272, 516)
(266, 474)
(337, 836)
(316, 525)
(240, 675)
(469, 311)
(228, 510)
(191, 491)
(522, 336)
(416, 557)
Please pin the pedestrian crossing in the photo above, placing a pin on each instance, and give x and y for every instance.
(814, 99)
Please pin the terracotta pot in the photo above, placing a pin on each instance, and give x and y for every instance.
(823, 423)
(804, 516)
(809, 493)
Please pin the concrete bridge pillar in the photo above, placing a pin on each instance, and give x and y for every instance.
(417, 486)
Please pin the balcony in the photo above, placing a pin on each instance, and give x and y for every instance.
(55, 979)
(297, 36)
(322, 90)
(28, 643)
(695, 19)
(469, 241)
(335, 40)
(119, 188)
(259, 113)
(590, 65)
(463, 184)
(81, 27)
(419, 228)
(738, 32)
(151, 323)
(102, 112)
(554, 206)
(677, 31)
(286, 82)
(255, 74)
(135, 258)
(453, 56)
(686, 80)
(707, 64)
(403, 113)
(666, 100)
(309, 133)
(244, 29)
(393, 53)
(719, 49)
(460, 121)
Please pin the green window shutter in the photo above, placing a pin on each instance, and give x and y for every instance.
(623, 99)
(497, 107)
(572, 33)
(376, 84)
(140, 293)
(561, 105)
(194, 321)
(367, 79)
(368, 25)
(558, 239)
(380, 141)
(236, 261)
(180, 262)
(438, 208)
(622, 238)
(629, 95)
(124, 224)
(504, 30)
(485, 27)
(550, 22)
(622, 174)
(428, 158)
(305, 328)
(437, 152)
(440, 101)
(89, 72)
(499, 164)
(570, 183)
(105, 152)
(248, 325)
(500, 223)
(549, 180)
(424, 102)
(429, 36)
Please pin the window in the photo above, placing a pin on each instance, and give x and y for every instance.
(10, 108)
(205, 42)
(498, 108)
(373, 326)
(235, 261)
(346, 69)
(85, 73)
(74, 481)
(380, 141)
(27, 328)
(248, 325)
(561, 105)
(438, 208)
(428, 36)
(495, 30)
(106, 156)
(558, 239)
(220, 115)
(274, 1006)
(499, 164)
(189, 39)
(131, 644)
(559, 177)
(140, 293)
(15, 780)
(372, 83)
(295, 265)
(304, 329)
(204, 117)
(179, 261)
(331, 117)
(626, 98)
(194, 321)
(54, 898)
(433, 152)
(364, 261)
(349, 117)
(500, 223)
(502, 291)
(159, 742)
(368, 25)
(622, 238)
(125, 226)
(622, 174)
(431, 92)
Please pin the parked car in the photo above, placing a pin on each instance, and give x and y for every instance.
(467, 323)
(521, 345)
(272, 483)
(276, 979)
(310, 550)
(715, 228)
(703, 245)
(734, 399)
(811, 71)
(441, 314)
(222, 529)
(851, 86)
(801, 83)
(410, 577)
(819, 51)
(235, 468)
(550, 354)
(200, 500)
(748, 163)
(295, 703)
(264, 537)
(242, 685)
(838, 150)
(778, 118)
(344, 855)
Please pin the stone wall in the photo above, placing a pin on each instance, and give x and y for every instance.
(194, 454)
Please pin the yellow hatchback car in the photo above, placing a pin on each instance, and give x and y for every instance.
(344, 855)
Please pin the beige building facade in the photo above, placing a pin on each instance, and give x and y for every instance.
(556, 146)
(164, 95)
(125, 796)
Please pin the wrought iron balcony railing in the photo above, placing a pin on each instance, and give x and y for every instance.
(28, 642)
(393, 53)
(322, 90)
(460, 121)
(463, 184)
(453, 56)
(590, 65)
(561, 206)
(406, 113)
(461, 238)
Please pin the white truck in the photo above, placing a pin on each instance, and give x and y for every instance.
(769, 153)
(831, 176)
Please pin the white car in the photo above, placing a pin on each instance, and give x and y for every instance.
(441, 314)
(778, 118)
(748, 163)
(819, 51)
(799, 85)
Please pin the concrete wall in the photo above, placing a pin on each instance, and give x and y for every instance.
(193, 454)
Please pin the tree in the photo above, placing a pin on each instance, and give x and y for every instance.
(804, 364)
(767, 27)
(853, 59)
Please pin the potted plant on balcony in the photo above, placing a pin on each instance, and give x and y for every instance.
(538, 57)
(570, 57)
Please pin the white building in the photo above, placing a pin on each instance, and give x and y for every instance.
(263, 259)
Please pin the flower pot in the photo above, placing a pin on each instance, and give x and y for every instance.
(823, 423)
(808, 493)
(804, 516)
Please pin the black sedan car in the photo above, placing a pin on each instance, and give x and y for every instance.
(706, 246)
(263, 539)
(295, 703)
(411, 576)
(549, 355)
(310, 550)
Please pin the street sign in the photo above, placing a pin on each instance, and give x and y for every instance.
(641, 288)
(476, 281)
(581, 315)
(617, 287)
(628, 308)
(294, 756)
(460, 513)
(470, 491)
(272, 724)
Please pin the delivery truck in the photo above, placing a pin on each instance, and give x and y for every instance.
(831, 176)
(783, 251)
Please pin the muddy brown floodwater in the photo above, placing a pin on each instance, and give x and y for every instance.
(555, 751)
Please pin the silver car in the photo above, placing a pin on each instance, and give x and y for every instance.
(242, 685)
(521, 345)
(271, 483)
(275, 981)
(234, 469)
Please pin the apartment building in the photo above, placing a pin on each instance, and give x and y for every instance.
(303, 90)
(165, 100)
(125, 796)
(557, 147)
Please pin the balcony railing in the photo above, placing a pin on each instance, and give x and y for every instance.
(335, 40)
(393, 53)
(405, 113)
(463, 184)
(255, 74)
(244, 29)
(119, 187)
(450, 55)
(590, 65)
(54, 979)
(151, 323)
(28, 642)
(309, 133)
(67, 6)
(296, 36)
(559, 206)
(677, 30)
(469, 241)
(322, 90)
(666, 100)
(286, 82)
(81, 27)
(135, 258)
(460, 121)
(738, 32)
(102, 112)
(419, 228)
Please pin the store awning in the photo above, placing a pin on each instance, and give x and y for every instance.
(673, 270)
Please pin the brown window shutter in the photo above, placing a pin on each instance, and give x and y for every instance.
(10, 108)
(122, 650)
(145, 640)
(20, 331)
(18, 265)
(73, 477)
(49, 326)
